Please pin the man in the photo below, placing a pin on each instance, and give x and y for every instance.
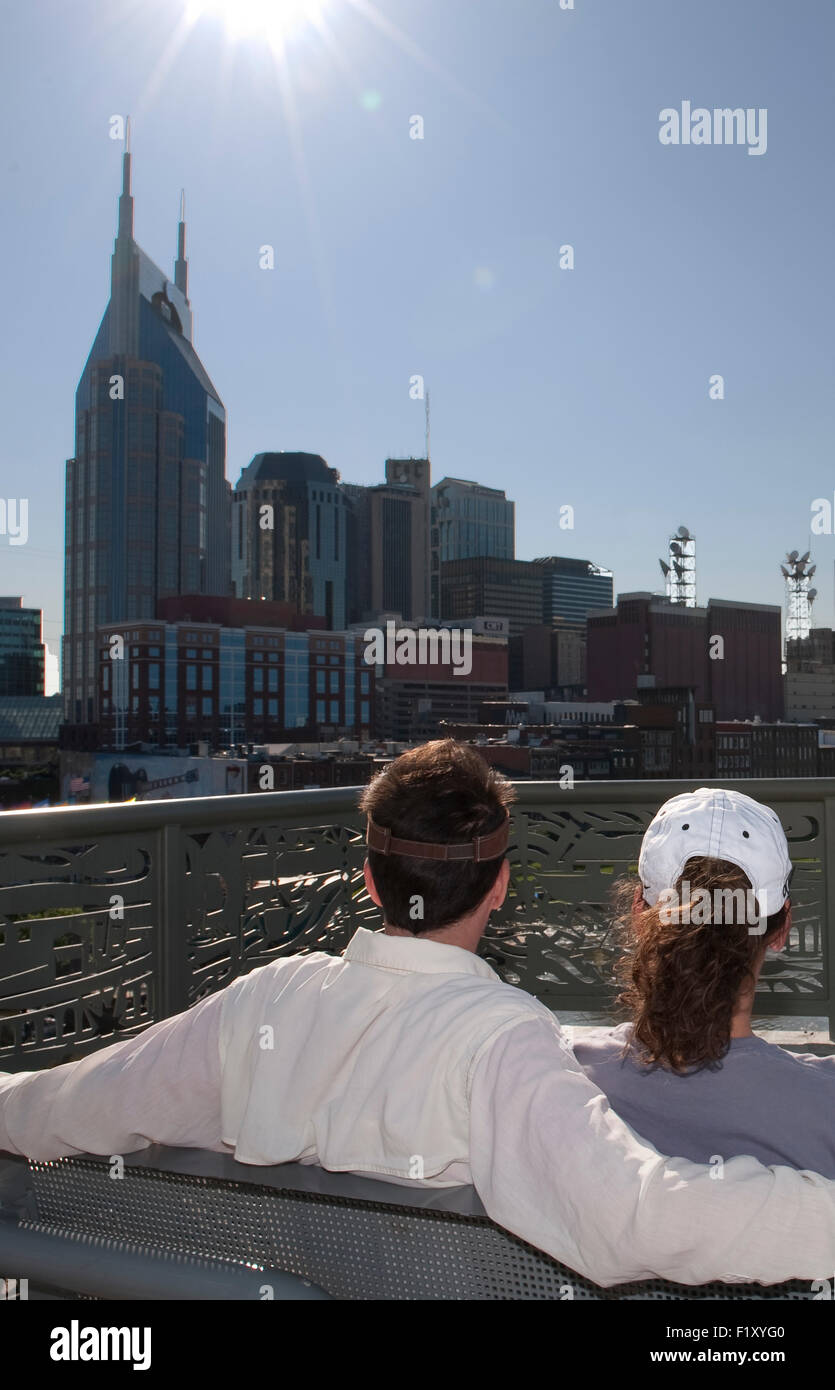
(408, 1059)
(687, 1071)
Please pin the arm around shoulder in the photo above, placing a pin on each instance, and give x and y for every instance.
(555, 1165)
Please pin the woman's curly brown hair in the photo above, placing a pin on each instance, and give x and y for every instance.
(681, 977)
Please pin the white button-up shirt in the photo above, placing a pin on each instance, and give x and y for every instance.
(410, 1059)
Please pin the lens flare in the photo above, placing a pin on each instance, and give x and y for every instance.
(272, 20)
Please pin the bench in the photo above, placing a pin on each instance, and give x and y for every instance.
(185, 1223)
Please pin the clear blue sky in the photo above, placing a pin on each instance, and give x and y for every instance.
(397, 256)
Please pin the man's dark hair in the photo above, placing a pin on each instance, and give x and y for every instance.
(441, 793)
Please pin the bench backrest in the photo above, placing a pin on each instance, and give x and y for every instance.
(354, 1238)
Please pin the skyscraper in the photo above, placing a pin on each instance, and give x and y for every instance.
(393, 564)
(289, 539)
(147, 501)
(572, 588)
(488, 587)
(473, 520)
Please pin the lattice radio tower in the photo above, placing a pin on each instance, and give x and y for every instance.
(799, 594)
(679, 569)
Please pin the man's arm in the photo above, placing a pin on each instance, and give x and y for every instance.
(162, 1087)
(556, 1166)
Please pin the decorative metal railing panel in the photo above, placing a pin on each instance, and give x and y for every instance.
(112, 917)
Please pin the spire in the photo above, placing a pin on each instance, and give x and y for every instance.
(126, 200)
(124, 270)
(181, 264)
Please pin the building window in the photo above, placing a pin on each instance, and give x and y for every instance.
(334, 682)
(320, 682)
(334, 711)
(191, 678)
(258, 679)
(320, 711)
(364, 712)
(272, 708)
(153, 676)
(207, 677)
(191, 652)
(207, 704)
(258, 708)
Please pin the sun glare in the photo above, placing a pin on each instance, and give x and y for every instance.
(272, 20)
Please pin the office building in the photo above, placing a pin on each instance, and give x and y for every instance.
(573, 588)
(183, 681)
(393, 566)
(728, 653)
(21, 649)
(482, 585)
(412, 701)
(289, 535)
(810, 676)
(147, 501)
(473, 520)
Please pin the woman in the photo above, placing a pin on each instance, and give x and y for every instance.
(687, 1071)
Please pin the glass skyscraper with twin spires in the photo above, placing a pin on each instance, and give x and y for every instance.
(148, 506)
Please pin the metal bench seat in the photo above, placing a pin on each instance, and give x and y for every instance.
(185, 1223)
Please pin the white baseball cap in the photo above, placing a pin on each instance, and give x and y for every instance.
(719, 825)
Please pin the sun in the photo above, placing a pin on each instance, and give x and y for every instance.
(272, 20)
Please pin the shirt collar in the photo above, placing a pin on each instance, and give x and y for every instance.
(410, 953)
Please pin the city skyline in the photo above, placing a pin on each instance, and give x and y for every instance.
(450, 268)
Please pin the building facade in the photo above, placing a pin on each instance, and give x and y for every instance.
(509, 589)
(147, 501)
(400, 541)
(414, 700)
(290, 535)
(729, 654)
(392, 565)
(571, 589)
(473, 520)
(21, 649)
(749, 748)
(173, 684)
(810, 676)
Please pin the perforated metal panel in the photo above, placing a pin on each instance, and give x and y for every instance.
(354, 1249)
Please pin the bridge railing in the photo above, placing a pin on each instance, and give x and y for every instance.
(115, 916)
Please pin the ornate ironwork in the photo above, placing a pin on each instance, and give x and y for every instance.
(112, 917)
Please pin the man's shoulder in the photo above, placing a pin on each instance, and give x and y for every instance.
(510, 999)
(264, 977)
